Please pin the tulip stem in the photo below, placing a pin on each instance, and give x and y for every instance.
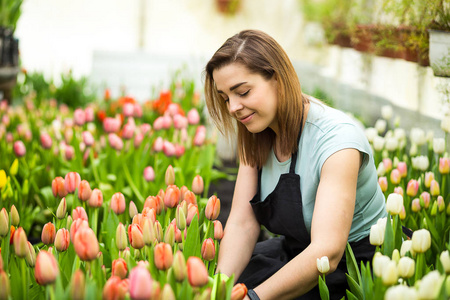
(24, 278)
(131, 183)
(50, 292)
(94, 167)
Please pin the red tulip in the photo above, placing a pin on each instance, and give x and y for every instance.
(238, 292)
(48, 233)
(96, 199)
(84, 190)
(135, 236)
(208, 249)
(212, 209)
(72, 181)
(62, 240)
(197, 273)
(140, 283)
(46, 269)
(119, 268)
(86, 244)
(79, 213)
(118, 203)
(58, 187)
(163, 256)
(19, 149)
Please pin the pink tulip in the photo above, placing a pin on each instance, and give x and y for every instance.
(46, 140)
(6, 120)
(403, 169)
(412, 188)
(444, 165)
(128, 131)
(140, 283)
(180, 121)
(111, 125)
(96, 199)
(398, 190)
(115, 141)
(119, 268)
(158, 123)
(69, 152)
(137, 110)
(382, 181)
(158, 145)
(128, 109)
(149, 174)
(387, 162)
(20, 241)
(192, 211)
(434, 188)
(166, 122)
(208, 249)
(426, 197)
(118, 203)
(72, 181)
(415, 205)
(9, 137)
(169, 149)
(58, 187)
(163, 256)
(79, 117)
(138, 138)
(395, 177)
(135, 236)
(197, 273)
(197, 185)
(84, 190)
(62, 240)
(19, 149)
(193, 117)
(76, 226)
(212, 209)
(429, 176)
(48, 233)
(79, 213)
(172, 196)
(46, 269)
(86, 244)
(88, 139)
(89, 114)
(218, 230)
(200, 136)
(115, 288)
(179, 150)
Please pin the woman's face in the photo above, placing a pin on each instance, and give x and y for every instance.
(250, 98)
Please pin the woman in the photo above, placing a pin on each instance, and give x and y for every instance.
(306, 173)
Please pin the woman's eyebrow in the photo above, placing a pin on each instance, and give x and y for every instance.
(233, 87)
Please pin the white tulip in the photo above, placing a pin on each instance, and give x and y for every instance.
(391, 143)
(406, 267)
(406, 246)
(380, 126)
(445, 123)
(420, 162)
(445, 260)
(399, 133)
(400, 292)
(439, 145)
(323, 264)
(371, 133)
(380, 261)
(381, 170)
(389, 276)
(421, 240)
(429, 136)
(378, 143)
(394, 203)
(430, 285)
(387, 112)
(376, 236)
(417, 136)
(413, 150)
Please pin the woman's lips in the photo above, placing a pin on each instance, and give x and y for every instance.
(246, 118)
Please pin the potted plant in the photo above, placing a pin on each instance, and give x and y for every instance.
(440, 37)
(9, 45)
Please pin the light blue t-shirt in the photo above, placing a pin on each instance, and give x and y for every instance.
(325, 132)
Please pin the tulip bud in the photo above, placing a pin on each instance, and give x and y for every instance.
(397, 292)
(421, 240)
(76, 226)
(197, 273)
(212, 209)
(3, 178)
(379, 262)
(192, 211)
(15, 219)
(238, 292)
(376, 235)
(430, 285)
(394, 204)
(118, 203)
(180, 217)
(444, 165)
(132, 209)
(140, 283)
(135, 236)
(167, 293)
(5, 290)
(58, 187)
(445, 260)
(218, 230)
(197, 185)
(4, 222)
(406, 267)
(72, 181)
(31, 256)
(425, 198)
(412, 188)
(20, 243)
(208, 249)
(434, 188)
(62, 240)
(119, 268)
(84, 190)
(158, 231)
(96, 198)
(172, 196)
(402, 214)
(429, 176)
(149, 174)
(77, 285)
(69, 223)
(395, 177)
(79, 213)
(382, 181)
(62, 208)
(46, 269)
(415, 205)
(48, 233)
(179, 266)
(163, 256)
(148, 232)
(323, 265)
(396, 255)
(190, 198)
(19, 149)
(170, 176)
(86, 244)
(153, 202)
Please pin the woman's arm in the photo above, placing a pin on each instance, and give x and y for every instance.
(331, 222)
(242, 228)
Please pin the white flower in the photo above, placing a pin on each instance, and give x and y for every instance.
(371, 133)
(381, 170)
(389, 275)
(420, 162)
(430, 285)
(391, 143)
(417, 136)
(406, 246)
(380, 261)
(439, 145)
(386, 112)
(445, 123)
(413, 150)
(445, 260)
(394, 203)
(380, 126)
(430, 135)
(378, 143)
(400, 292)
(406, 267)
(399, 133)
(421, 240)
(376, 236)
(323, 264)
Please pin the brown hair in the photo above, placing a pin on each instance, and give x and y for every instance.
(260, 54)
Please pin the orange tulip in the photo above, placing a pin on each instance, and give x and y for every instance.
(212, 209)
(197, 273)
(119, 268)
(218, 230)
(58, 187)
(5, 291)
(190, 198)
(79, 213)
(192, 211)
(96, 198)
(118, 203)
(172, 196)
(20, 243)
(197, 185)
(77, 285)
(238, 292)
(149, 213)
(62, 240)
(135, 236)
(183, 191)
(382, 181)
(208, 249)
(154, 202)
(86, 244)
(115, 288)
(48, 233)
(163, 256)
(77, 225)
(72, 181)
(46, 269)
(84, 190)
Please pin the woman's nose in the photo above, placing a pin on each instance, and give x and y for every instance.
(234, 105)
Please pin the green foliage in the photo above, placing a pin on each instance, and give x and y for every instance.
(74, 92)
(10, 11)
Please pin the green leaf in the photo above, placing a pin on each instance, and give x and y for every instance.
(323, 289)
(388, 245)
(352, 266)
(192, 244)
(354, 287)
(350, 296)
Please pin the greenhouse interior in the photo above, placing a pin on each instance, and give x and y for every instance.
(162, 149)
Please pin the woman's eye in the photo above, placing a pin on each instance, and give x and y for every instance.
(244, 94)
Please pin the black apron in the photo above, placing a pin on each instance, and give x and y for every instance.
(281, 213)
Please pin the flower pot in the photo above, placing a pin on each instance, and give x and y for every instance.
(361, 38)
(440, 52)
(9, 62)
